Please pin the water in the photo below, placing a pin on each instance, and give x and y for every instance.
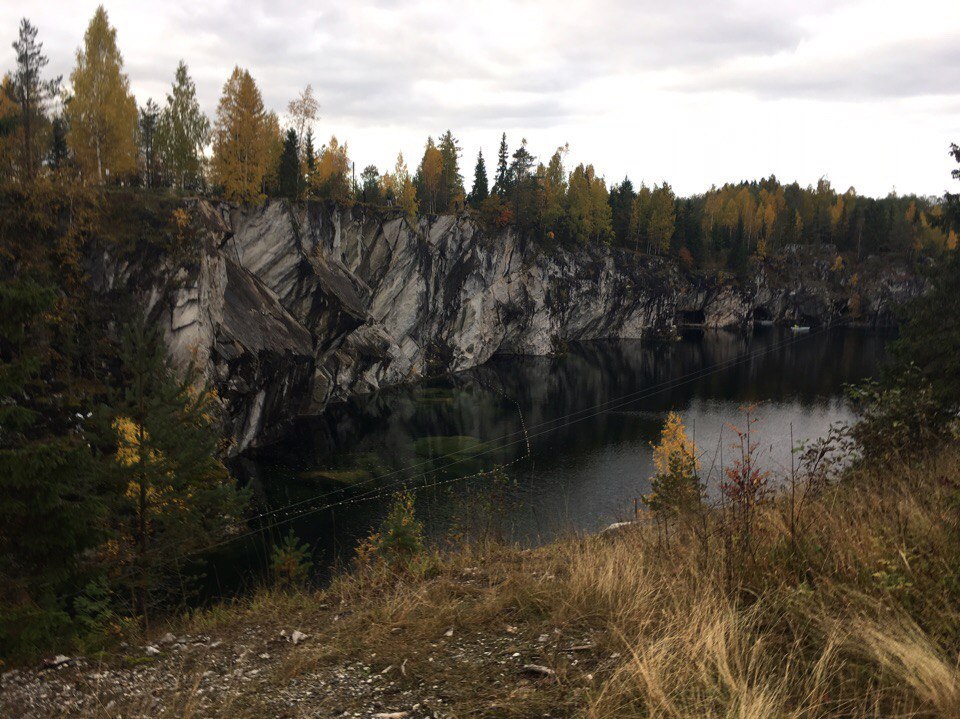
(590, 450)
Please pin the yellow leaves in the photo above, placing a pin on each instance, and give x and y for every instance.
(838, 264)
(131, 438)
(330, 178)
(102, 113)
(242, 139)
(673, 441)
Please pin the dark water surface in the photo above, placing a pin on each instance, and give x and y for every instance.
(590, 417)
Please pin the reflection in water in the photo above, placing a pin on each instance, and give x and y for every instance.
(585, 467)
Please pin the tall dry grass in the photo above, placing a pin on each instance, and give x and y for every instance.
(851, 609)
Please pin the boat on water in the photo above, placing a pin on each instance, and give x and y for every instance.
(799, 328)
(763, 323)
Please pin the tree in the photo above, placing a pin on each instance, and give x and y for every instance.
(303, 112)
(429, 178)
(183, 130)
(451, 195)
(480, 189)
(48, 510)
(524, 186)
(621, 206)
(370, 184)
(662, 221)
(331, 178)
(102, 114)
(241, 138)
(289, 179)
(553, 183)
(176, 497)
(150, 155)
(501, 182)
(406, 193)
(32, 94)
(675, 486)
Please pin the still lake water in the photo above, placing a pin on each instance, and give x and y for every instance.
(590, 416)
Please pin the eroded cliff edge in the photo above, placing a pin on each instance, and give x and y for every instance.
(287, 307)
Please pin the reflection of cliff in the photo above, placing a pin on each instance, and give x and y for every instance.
(802, 369)
(290, 308)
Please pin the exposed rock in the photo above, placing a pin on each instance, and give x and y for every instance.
(289, 307)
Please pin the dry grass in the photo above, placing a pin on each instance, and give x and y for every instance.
(858, 615)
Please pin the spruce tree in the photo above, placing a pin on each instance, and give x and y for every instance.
(501, 183)
(150, 156)
(184, 130)
(49, 512)
(176, 496)
(289, 180)
(451, 182)
(480, 189)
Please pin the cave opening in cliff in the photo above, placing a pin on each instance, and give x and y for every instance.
(691, 317)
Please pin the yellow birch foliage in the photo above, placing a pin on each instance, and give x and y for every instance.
(102, 113)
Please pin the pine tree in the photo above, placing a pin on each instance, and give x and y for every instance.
(481, 187)
(32, 94)
(183, 131)
(241, 139)
(501, 183)
(289, 180)
(370, 185)
(102, 114)
(176, 496)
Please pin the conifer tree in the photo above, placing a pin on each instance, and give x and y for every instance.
(289, 180)
(370, 185)
(501, 182)
(175, 495)
(451, 194)
(102, 114)
(32, 94)
(481, 187)
(183, 130)
(150, 155)
(49, 510)
(241, 139)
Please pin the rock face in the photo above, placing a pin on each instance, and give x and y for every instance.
(292, 306)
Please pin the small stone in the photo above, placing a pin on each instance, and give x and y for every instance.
(297, 637)
(538, 670)
(449, 632)
(511, 629)
(151, 651)
(264, 656)
(168, 638)
(543, 638)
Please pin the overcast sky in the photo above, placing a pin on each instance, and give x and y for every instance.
(692, 92)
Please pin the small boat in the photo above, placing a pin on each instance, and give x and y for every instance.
(763, 323)
(798, 328)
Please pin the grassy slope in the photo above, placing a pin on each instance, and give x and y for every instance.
(857, 617)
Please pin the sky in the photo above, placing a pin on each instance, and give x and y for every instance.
(695, 93)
